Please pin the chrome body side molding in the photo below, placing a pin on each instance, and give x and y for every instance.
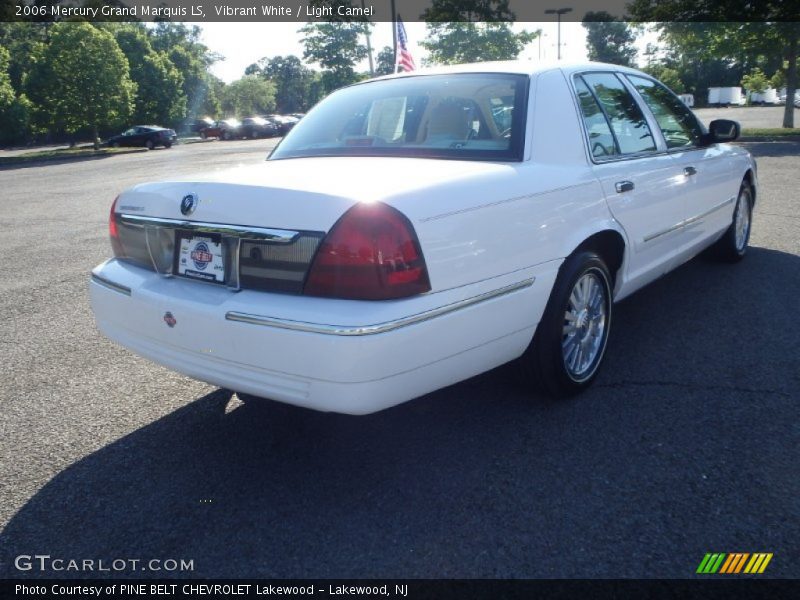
(345, 330)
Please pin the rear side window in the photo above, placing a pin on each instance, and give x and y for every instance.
(601, 140)
(677, 123)
(627, 121)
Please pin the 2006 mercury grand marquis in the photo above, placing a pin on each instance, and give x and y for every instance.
(416, 230)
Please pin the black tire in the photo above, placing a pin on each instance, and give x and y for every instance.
(226, 136)
(203, 135)
(114, 144)
(544, 364)
(732, 246)
(149, 144)
(167, 144)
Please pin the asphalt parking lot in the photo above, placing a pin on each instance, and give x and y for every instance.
(754, 117)
(688, 443)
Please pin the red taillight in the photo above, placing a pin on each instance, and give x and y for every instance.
(372, 253)
(113, 232)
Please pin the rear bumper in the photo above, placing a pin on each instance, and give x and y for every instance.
(332, 355)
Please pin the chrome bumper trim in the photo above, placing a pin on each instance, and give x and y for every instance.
(344, 330)
(277, 236)
(107, 283)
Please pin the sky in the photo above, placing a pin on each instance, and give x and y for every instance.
(245, 43)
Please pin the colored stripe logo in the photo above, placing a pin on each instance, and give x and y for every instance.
(733, 563)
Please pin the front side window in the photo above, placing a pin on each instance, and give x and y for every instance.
(627, 120)
(464, 116)
(677, 123)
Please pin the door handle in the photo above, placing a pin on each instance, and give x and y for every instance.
(689, 171)
(623, 186)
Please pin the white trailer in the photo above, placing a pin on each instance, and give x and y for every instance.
(768, 96)
(726, 96)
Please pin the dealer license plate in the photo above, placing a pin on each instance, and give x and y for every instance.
(200, 257)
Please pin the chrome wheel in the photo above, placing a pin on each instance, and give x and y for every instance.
(742, 222)
(584, 330)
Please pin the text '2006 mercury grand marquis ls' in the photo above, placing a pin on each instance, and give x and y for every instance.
(416, 230)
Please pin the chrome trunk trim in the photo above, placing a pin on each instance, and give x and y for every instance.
(277, 236)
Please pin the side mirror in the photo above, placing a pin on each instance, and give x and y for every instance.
(723, 130)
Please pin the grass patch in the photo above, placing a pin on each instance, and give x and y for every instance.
(64, 153)
(769, 132)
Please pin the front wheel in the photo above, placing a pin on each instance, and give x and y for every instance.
(570, 340)
(150, 145)
(732, 246)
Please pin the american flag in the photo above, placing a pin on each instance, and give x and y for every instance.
(405, 62)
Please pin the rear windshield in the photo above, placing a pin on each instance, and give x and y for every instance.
(460, 116)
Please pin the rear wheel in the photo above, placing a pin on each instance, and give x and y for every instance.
(227, 135)
(203, 135)
(570, 341)
(149, 144)
(732, 246)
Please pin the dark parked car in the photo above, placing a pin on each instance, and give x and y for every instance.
(148, 136)
(198, 125)
(256, 127)
(284, 122)
(226, 129)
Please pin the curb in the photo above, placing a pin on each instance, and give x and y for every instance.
(14, 161)
(769, 138)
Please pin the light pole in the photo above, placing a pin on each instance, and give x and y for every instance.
(558, 12)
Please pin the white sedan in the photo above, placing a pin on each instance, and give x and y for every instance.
(416, 230)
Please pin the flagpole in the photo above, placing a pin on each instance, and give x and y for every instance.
(394, 34)
(369, 44)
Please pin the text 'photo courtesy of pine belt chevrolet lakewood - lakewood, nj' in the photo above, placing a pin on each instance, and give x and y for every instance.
(418, 229)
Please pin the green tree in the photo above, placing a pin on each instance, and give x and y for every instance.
(159, 98)
(666, 75)
(609, 40)
(385, 61)
(6, 89)
(741, 34)
(250, 95)
(337, 48)
(192, 59)
(465, 42)
(21, 39)
(80, 80)
(295, 84)
(14, 109)
(447, 11)
(460, 31)
(755, 82)
(778, 79)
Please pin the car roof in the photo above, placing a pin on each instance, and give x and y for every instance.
(517, 67)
